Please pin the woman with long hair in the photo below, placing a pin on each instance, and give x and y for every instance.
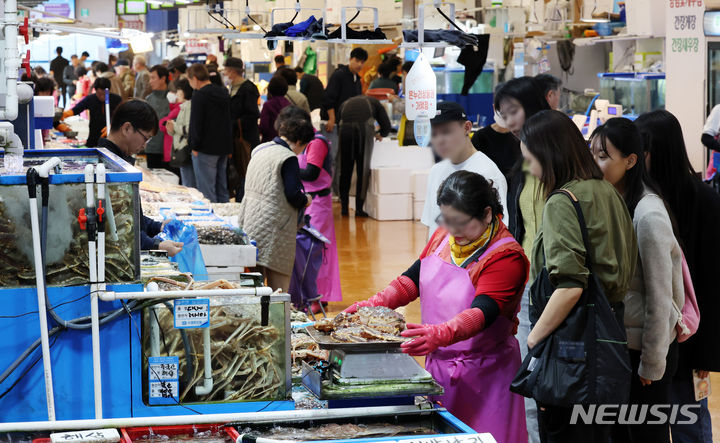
(656, 292)
(697, 210)
(558, 155)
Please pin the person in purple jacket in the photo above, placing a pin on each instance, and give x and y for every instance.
(276, 102)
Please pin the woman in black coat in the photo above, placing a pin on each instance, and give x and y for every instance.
(696, 208)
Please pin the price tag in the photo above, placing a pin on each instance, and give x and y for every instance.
(163, 379)
(95, 435)
(192, 313)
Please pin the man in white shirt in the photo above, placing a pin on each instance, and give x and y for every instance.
(451, 142)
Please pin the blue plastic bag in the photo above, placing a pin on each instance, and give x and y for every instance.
(190, 259)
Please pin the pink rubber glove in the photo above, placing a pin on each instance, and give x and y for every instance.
(400, 292)
(428, 338)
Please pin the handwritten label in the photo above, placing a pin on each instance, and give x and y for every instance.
(463, 438)
(163, 380)
(192, 313)
(95, 435)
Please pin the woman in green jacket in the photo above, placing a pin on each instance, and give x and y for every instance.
(559, 156)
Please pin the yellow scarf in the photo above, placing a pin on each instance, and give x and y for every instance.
(459, 253)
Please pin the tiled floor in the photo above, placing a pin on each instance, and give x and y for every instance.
(373, 253)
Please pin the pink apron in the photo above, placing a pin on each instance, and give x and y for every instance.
(475, 373)
(321, 218)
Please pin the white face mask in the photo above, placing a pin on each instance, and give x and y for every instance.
(499, 120)
(171, 97)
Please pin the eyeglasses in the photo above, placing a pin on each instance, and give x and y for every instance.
(145, 137)
(453, 224)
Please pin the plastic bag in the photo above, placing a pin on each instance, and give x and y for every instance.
(190, 259)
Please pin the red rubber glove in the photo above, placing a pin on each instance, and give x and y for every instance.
(400, 292)
(427, 338)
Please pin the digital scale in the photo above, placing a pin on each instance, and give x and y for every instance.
(368, 373)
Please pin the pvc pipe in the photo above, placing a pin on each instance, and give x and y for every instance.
(94, 310)
(44, 169)
(112, 295)
(248, 417)
(154, 333)
(42, 309)
(10, 59)
(206, 388)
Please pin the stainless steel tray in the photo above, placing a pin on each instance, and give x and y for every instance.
(325, 341)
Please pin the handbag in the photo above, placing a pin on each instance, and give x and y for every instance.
(689, 316)
(585, 360)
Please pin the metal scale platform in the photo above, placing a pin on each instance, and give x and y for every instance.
(370, 373)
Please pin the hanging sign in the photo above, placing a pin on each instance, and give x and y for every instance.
(197, 46)
(421, 95)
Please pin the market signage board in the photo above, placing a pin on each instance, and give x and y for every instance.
(192, 313)
(164, 380)
(685, 58)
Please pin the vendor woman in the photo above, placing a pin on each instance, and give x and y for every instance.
(469, 278)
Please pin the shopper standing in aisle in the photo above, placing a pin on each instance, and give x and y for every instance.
(244, 112)
(312, 87)
(70, 77)
(127, 78)
(274, 197)
(384, 81)
(83, 57)
(697, 209)
(656, 291)
(57, 67)
(133, 124)
(357, 136)
(276, 102)
(210, 138)
(178, 70)
(343, 84)
(159, 77)
(451, 142)
(179, 129)
(516, 101)
(552, 89)
(95, 105)
(469, 279)
(103, 71)
(295, 97)
(558, 155)
(142, 77)
(279, 62)
(316, 176)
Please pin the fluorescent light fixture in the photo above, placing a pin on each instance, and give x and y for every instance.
(141, 44)
(256, 27)
(154, 2)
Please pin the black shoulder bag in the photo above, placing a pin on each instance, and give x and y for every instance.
(585, 360)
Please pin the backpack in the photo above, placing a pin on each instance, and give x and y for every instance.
(689, 315)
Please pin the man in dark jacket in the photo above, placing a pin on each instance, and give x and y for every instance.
(159, 79)
(210, 137)
(133, 124)
(57, 66)
(70, 75)
(244, 112)
(344, 83)
(312, 87)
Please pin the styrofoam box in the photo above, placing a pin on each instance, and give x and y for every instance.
(389, 206)
(224, 272)
(418, 206)
(390, 181)
(419, 183)
(229, 255)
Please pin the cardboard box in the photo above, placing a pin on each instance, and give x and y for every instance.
(418, 206)
(389, 206)
(390, 181)
(419, 184)
(229, 255)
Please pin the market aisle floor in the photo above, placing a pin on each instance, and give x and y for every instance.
(373, 253)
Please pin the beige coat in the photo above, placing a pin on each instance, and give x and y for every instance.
(265, 213)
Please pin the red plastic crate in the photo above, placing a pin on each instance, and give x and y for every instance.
(131, 435)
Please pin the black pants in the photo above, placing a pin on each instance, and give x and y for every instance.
(554, 426)
(352, 155)
(658, 392)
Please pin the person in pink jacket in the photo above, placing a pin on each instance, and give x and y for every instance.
(167, 124)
